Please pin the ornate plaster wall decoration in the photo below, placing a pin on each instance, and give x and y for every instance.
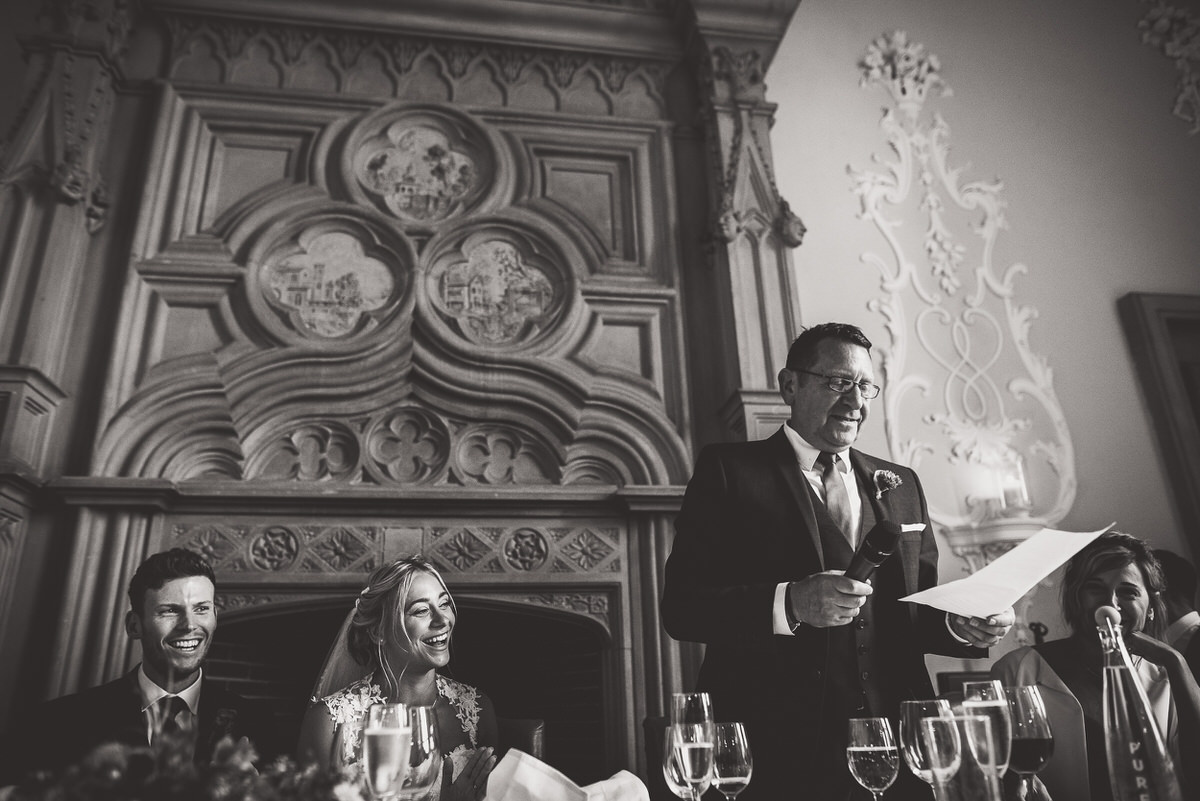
(992, 439)
(1176, 32)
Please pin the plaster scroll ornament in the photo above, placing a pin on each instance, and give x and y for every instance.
(1176, 32)
(964, 389)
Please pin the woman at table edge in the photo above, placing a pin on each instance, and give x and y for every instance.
(1118, 570)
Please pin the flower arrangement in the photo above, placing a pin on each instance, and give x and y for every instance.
(885, 480)
(119, 772)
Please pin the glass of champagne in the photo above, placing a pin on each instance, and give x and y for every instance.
(688, 759)
(942, 748)
(385, 745)
(691, 708)
(987, 698)
(732, 763)
(980, 777)
(872, 754)
(912, 744)
(424, 756)
(1032, 741)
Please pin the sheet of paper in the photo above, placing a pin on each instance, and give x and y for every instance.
(997, 586)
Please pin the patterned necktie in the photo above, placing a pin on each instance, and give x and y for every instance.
(837, 501)
(169, 707)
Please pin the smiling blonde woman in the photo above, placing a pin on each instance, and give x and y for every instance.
(390, 650)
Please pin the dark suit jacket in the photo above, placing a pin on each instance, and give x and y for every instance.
(60, 732)
(749, 522)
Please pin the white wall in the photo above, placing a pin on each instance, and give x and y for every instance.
(1063, 103)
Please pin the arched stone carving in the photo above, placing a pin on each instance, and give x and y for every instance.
(408, 446)
(489, 454)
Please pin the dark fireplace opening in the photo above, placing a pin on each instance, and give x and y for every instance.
(531, 663)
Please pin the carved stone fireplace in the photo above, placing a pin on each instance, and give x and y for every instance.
(306, 287)
(545, 614)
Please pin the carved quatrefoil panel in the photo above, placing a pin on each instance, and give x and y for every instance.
(497, 288)
(423, 165)
(334, 280)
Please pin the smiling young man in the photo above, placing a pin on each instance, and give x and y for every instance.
(795, 648)
(173, 615)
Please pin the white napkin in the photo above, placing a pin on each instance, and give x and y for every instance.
(521, 777)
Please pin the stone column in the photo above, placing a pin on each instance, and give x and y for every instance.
(53, 200)
(752, 229)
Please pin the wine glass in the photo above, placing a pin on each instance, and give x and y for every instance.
(1032, 741)
(732, 763)
(425, 758)
(912, 744)
(688, 759)
(385, 747)
(988, 698)
(691, 708)
(872, 754)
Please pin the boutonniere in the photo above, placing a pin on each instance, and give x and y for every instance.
(885, 480)
(225, 720)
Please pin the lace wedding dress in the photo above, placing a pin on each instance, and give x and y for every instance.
(349, 705)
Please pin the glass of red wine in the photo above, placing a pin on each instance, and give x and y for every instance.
(1032, 740)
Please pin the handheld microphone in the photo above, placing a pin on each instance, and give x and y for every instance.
(876, 547)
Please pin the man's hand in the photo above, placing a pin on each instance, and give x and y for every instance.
(827, 599)
(980, 632)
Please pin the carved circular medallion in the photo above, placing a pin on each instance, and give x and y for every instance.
(497, 288)
(331, 280)
(424, 165)
(526, 549)
(274, 549)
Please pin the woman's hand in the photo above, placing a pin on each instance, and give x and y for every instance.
(471, 783)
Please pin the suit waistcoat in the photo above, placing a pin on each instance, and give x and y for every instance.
(854, 660)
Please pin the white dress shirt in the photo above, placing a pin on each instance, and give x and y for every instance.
(1181, 632)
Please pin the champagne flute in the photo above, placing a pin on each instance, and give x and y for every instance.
(983, 748)
(942, 747)
(988, 698)
(424, 757)
(688, 759)
(385, 746)
(912, 744)
(872, 754)
(1032, 741)
(346, 748)
(691, 708)
(732, 763)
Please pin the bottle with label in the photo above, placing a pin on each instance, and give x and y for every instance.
(1139, 765)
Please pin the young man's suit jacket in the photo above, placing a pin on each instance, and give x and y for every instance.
(60, 732)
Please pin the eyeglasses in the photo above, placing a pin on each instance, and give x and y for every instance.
(842, 385)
